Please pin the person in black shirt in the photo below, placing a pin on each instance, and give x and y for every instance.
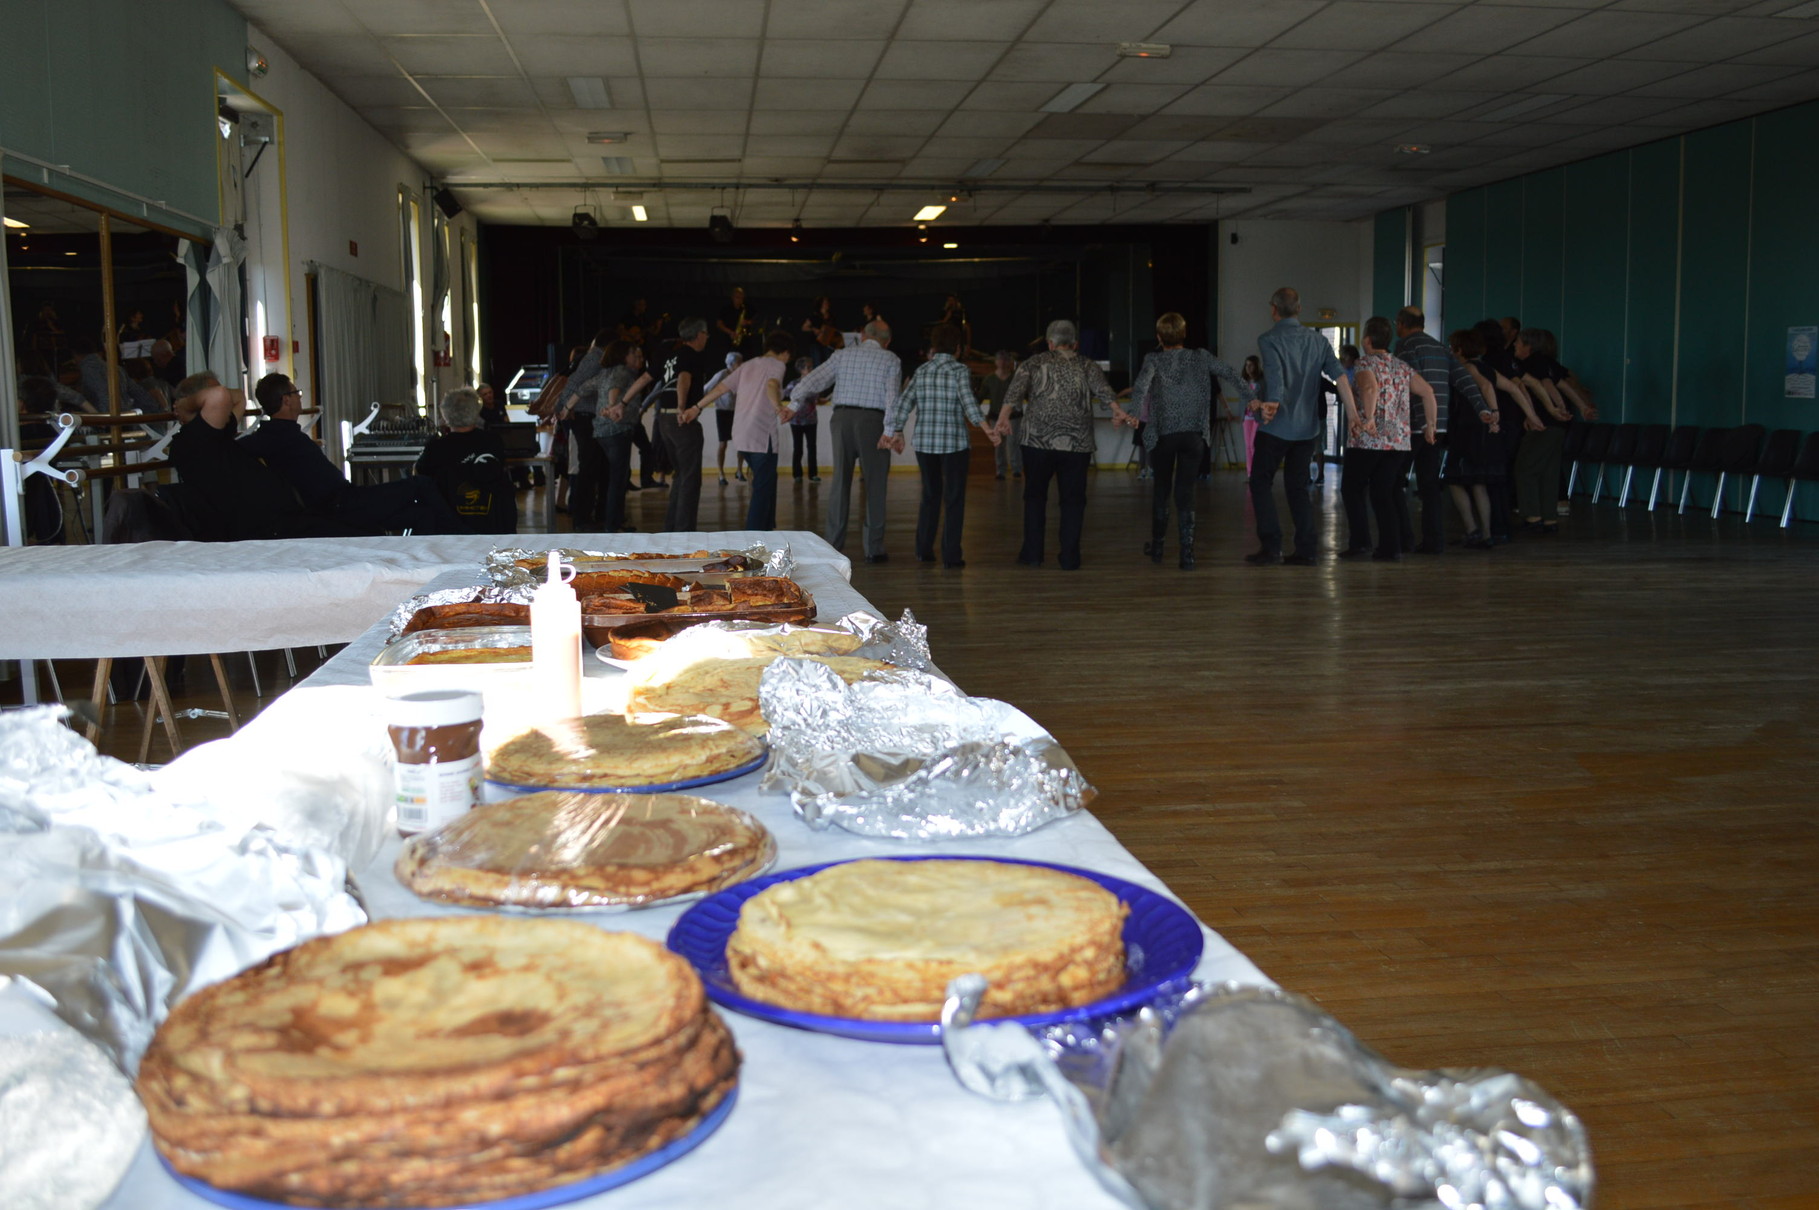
(468, 466)
(680, 381)
(231, 495)
(738, 326)
(411, 504)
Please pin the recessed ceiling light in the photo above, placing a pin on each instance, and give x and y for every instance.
(17, 224)
(1144, 50)
(929, 213)
(640, 215)
(589, 92)
(1070, 98)
(618, 165)
(608, 136)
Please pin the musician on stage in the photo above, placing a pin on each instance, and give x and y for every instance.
(738, 328)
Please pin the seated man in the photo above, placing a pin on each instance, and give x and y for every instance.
(234, 495)
(408, 504)
(468, 466)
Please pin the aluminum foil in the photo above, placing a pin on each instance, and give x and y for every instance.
(903, 642)
(70, 1123)
(1247, 1096)
(121, 899)
(490, 594)
(906, 755)
(501, 566)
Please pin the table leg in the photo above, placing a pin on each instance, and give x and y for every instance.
(227, 699)
(161, 704)
(103, 667)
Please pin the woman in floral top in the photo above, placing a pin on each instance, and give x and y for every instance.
(1379, 443)
(1056, 389)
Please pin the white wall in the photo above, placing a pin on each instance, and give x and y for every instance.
(341, 206)
(1329, 263)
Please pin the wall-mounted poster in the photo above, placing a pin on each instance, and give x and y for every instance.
(1802, 362)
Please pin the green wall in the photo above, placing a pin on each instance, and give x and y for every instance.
(1389, 263)
(1670, 272)
(122, 92)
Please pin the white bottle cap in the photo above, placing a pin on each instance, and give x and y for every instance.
(434, 708)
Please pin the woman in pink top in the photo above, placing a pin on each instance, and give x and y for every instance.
(759, 413)
(1379, 442)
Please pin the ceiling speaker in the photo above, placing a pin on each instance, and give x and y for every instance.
(445, 202)
(721, 228)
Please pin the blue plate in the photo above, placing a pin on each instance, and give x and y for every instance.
(644, 1165)
(1162, 944)
(751, 766)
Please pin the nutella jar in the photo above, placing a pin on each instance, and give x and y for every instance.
(436, 770)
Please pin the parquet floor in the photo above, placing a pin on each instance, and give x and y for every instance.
(1549, 808)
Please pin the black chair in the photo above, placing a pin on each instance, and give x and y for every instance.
(1705, 459)
(1805, 470)
(1593, 447)
(1776, 461)
(1742, 447)
(1572, 445)
(1622, 452)
(1651, 446)
(1678, 456)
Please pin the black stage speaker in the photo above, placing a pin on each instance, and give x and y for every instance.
(721, 228)
(445, 202)
(586, 226)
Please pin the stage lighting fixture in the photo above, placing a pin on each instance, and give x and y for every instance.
(584, 224)
(795, 232)
(720, 227)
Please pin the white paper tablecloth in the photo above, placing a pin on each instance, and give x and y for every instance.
(194, 598)
(821, 1121)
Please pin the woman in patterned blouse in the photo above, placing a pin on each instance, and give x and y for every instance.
(1056, 390)
(1377, 452)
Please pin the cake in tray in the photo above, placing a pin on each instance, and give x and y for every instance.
(435, 1062)
(880, 940)
(566, 850)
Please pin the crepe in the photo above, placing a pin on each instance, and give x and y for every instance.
(607, 750)
(580, 850)
(721, 688)
(435, 1062)
(880, 940)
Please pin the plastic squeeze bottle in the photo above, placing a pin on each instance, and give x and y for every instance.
(556, 644)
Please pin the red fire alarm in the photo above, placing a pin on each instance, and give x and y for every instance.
(273, 349)
(353, 249)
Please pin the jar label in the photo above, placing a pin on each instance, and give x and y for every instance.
(429, 796)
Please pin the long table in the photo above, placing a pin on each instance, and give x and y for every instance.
(821, 1121)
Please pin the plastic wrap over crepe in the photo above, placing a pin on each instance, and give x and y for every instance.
(120, 900)
(906, 755)
(1252, 1096)
(489, 594)
(504, 565)
(903, 642)
(556, 851)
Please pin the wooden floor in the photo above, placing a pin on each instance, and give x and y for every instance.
(1549, 808)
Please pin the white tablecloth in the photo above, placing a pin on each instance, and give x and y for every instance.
(821, 1121)
(193, 598)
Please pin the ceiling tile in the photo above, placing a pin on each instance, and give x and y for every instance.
(1134, 151)
(1602, 34)
(819, 146)
(1398, 69)
(916, 60)
(331, 55)
(876, 147)
(1713, 81)
(1059, 62)
(709, 19)
(914, 94)
(1612, 111)
(812, 120)
(972, 149)
(1007, 97)
(1081, 126)
(1720, 39)
(576, 56)
(1098, 22)
(697, 121)
(560, 17)
(1137, 99)
(1506, 72)
(377, 92)
(981, 124)
(1325, 103)
(1348, 25)
(968, 20)
(1223, 23)
(675, 93)
(409, 118)
(831, 97)
(393, 17)
(1428, 103)
(1803, 86)
(1489, 29)
(1613, 76)
(626, 92)
(1272, 68)
(1799, 51)
(831, 20)
(851, 60)
(698, 57)
(921, 122)
(451, 56)
(469, 93)
(699, 146)
(1226, 99)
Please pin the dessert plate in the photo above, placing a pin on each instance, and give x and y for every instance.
(501, 789)
(1162, 945)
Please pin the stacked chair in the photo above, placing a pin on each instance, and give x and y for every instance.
(1804, 470)
(1706, 455)
(1737, 456)
(1776, 462)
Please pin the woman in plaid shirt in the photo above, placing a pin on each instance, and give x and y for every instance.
(942, 389)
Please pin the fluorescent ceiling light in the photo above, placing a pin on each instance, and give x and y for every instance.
(639, 214)
(929, 213)
(17, 224)
(1070, 98)
(981, 168)
(1144, 50)
(589, 92)
(950, 245)
(618, 165)
(608, 136)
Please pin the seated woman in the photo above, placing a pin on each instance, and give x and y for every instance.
(468, 466)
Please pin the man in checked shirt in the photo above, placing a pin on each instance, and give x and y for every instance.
(941, 393)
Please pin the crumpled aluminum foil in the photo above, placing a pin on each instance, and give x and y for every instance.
(1242, 1096)
(121, 900)
(906, 755)
(70, 1123)
(903, 642)
(488, 594)
(501, 566)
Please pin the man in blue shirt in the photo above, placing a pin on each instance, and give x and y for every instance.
(1295, 360)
